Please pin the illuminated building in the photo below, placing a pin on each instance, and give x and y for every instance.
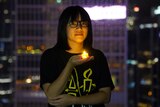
(6, 54)
(143, 66)
(143, 56)
(30, 22)
(35, 31)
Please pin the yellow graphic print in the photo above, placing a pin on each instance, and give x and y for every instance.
(74, 88)
(86, 75)
(71, 90)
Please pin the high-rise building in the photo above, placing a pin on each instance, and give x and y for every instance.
(36, 30)
(30, 22)
(6, 54)
(143, 65)
(143, 57)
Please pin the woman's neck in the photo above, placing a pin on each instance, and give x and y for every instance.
(76, 49)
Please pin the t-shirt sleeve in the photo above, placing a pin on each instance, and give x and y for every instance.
(105, 75)
(43, 66)
(47, 64)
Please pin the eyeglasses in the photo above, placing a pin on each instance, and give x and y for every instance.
(74, 24)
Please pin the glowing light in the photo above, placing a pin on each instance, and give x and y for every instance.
(10, 60)
(149, 93)
(36, 77)
(3, 92)
(84, 55)
(132, 62)
(155, 25)
(28, 80)
(32, 51)
(136, 9)
(149, 62)
(148, 25)
(106, 12)
(7, 21)
(5, 11)
(157, 11)
(156, 60)
(146, 81)
(29, 48)
(141, 65)
(5, 80)
(147, 53)
(4, 58)
(58, 1)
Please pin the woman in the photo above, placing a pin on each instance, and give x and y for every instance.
(66, 78)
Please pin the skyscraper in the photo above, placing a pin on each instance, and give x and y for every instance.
(6, 54)
(30, 22)
(143, 63)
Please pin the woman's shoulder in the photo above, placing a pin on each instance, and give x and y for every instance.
(99, 55)
(96, 51)
(50, 51)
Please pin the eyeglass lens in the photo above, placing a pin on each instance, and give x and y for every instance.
(78, 23)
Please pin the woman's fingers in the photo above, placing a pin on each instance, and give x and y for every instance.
(78, 60)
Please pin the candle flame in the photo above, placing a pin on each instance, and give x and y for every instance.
(84, 55)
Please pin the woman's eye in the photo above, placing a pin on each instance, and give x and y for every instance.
(74, 22)
(84, 23)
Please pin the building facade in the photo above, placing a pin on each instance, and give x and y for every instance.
(6, 54)
(143, 62)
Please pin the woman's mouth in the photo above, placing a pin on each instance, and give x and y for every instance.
(79, 34)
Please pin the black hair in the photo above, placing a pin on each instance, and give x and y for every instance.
(71, 13)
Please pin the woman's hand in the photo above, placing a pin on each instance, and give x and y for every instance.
(78, 60)
(62, 100)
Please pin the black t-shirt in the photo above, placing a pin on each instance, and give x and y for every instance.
(86, 79)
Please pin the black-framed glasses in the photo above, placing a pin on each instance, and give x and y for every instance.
(74, 24)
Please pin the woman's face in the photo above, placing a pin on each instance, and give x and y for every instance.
(77, 31)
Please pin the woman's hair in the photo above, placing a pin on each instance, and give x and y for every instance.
(70, 14)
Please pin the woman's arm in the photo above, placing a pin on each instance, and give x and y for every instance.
(53, 89)
(101, 97)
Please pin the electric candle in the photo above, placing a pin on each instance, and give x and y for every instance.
(84, 55)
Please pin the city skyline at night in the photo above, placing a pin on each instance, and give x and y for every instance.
(130, 40)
